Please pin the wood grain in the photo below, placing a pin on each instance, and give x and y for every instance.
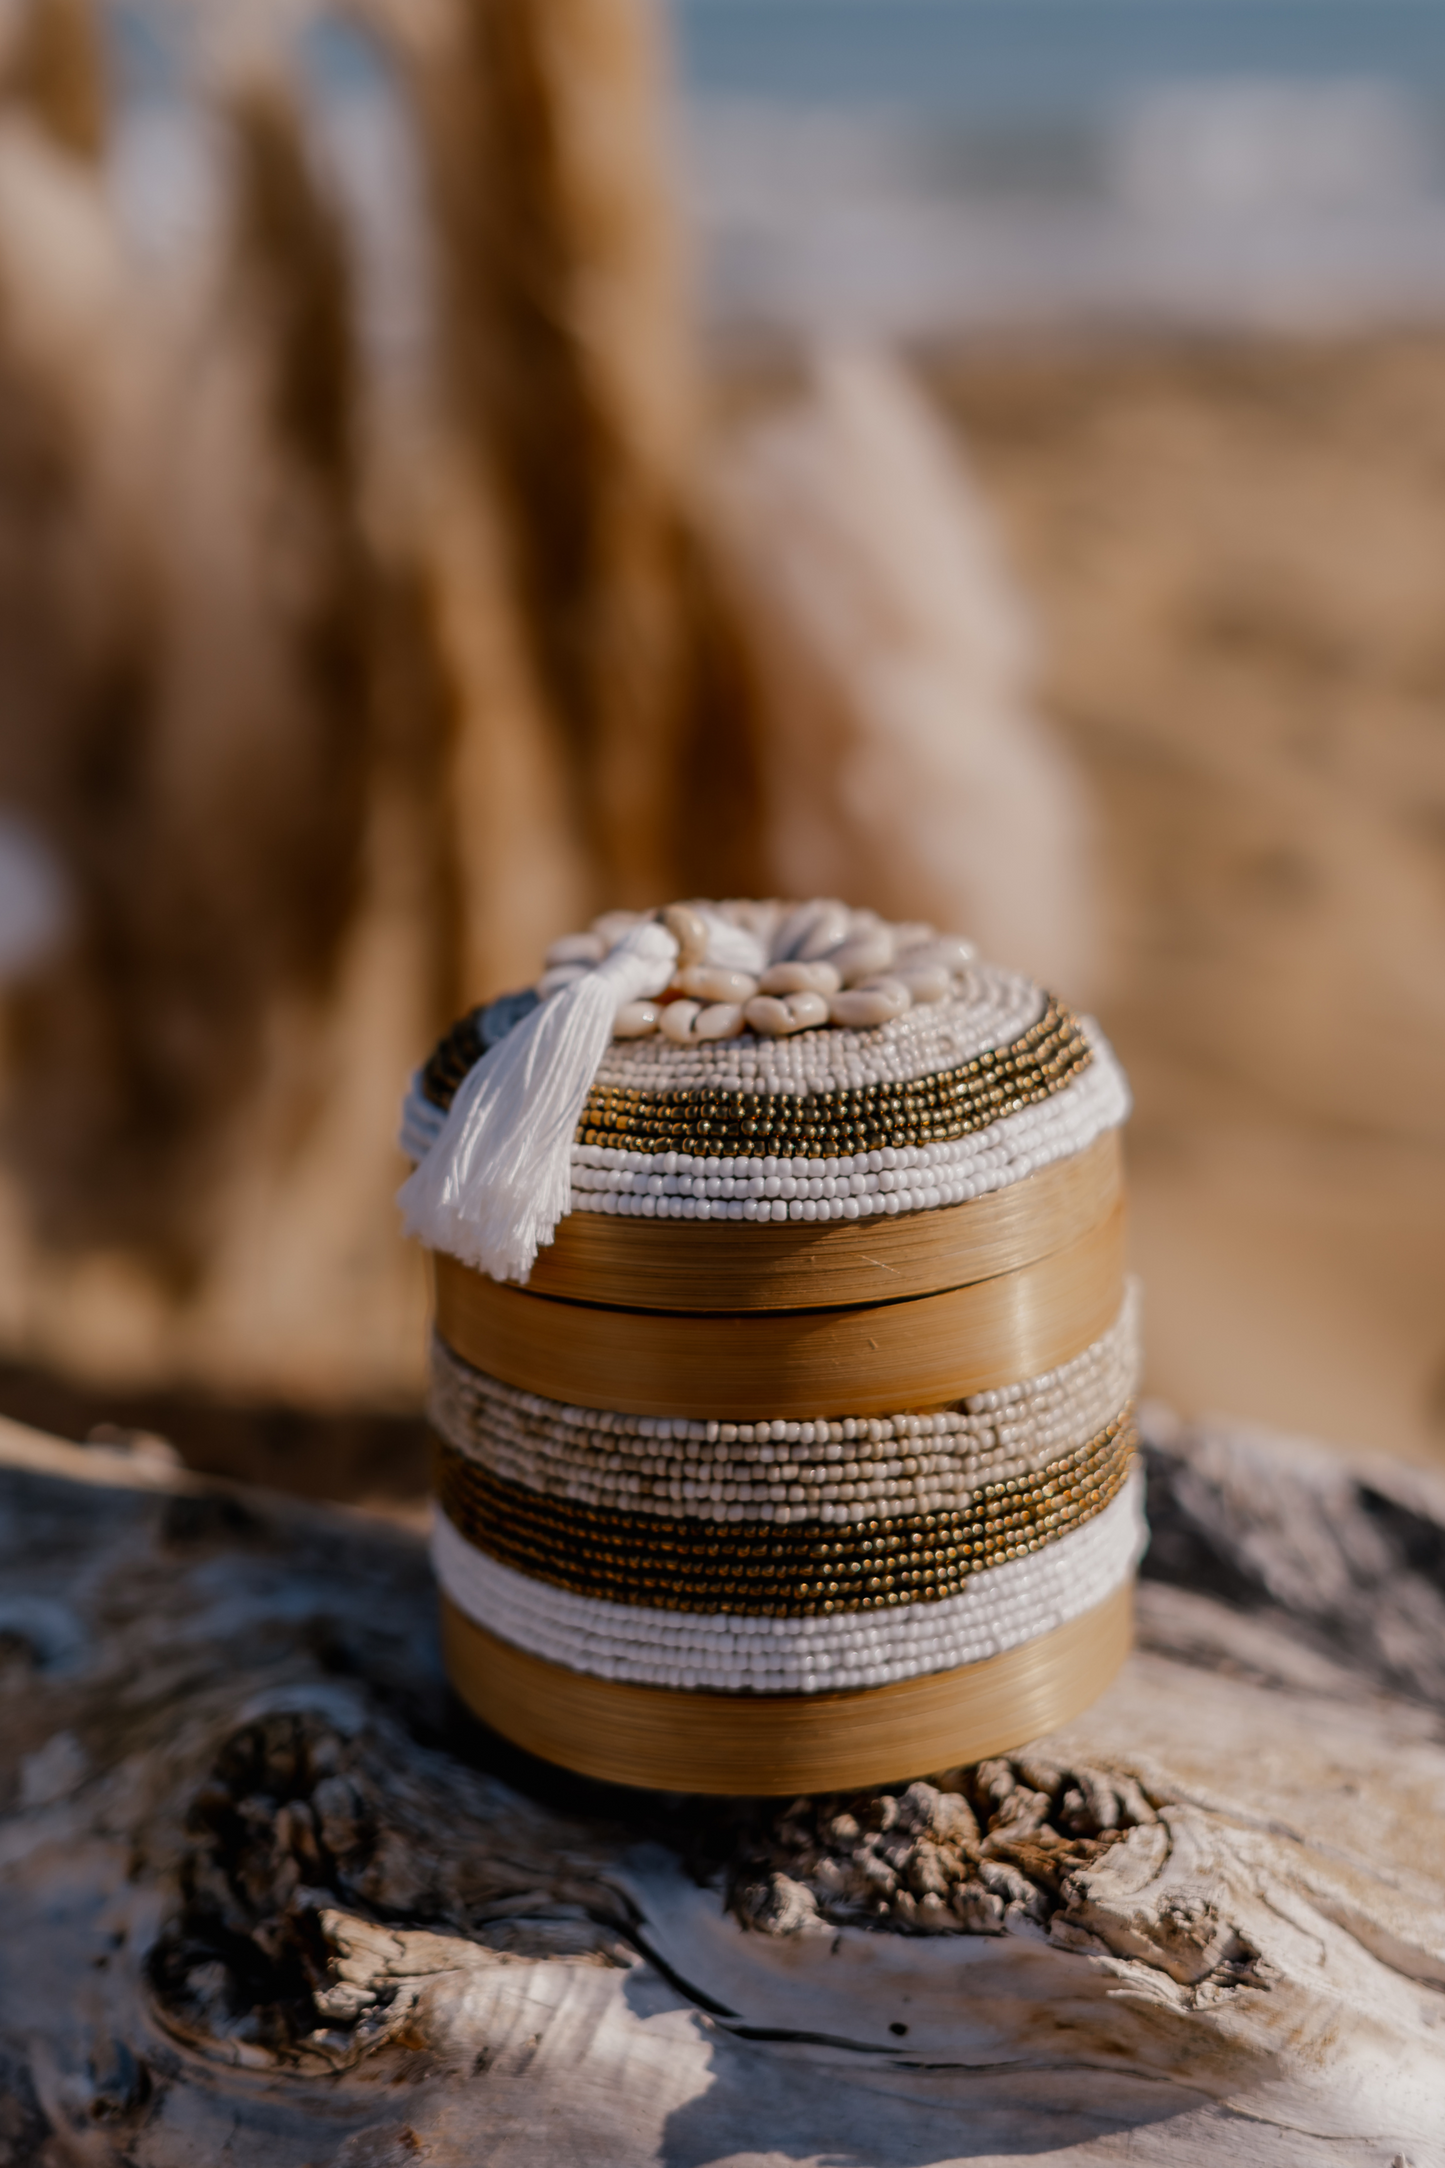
(922, 1353)
(652, 1264)
(772, 1744)
(469, 1912)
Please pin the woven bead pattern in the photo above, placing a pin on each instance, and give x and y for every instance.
(694, 1565)
(995, 1610)
(893, 1179)
(989, 1008)
(935, 1109)
(994, 1008)
(784, 1471)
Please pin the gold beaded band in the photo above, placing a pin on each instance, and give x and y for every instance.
(452, 1059)
(711, 1122)
(652, 1264)
(926, 1352)
(778, 1745)
(821, 1125)
(811, 1569)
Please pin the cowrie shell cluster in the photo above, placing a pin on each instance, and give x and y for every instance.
(820, 964)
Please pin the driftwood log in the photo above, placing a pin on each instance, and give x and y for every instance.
(268, 1897)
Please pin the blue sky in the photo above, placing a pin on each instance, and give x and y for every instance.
(1015, 57)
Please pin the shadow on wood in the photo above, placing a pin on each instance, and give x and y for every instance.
(268, 1894)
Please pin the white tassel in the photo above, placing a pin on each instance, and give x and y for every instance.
(499, 1177)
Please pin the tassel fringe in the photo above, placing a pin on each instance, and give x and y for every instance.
(497, 1180)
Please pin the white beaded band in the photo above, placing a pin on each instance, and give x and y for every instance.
(990, 1008)
(906, 1178)
(786, 1472)
(998, 1609)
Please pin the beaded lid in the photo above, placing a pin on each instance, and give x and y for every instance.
(861, 1068)
(749, 1506)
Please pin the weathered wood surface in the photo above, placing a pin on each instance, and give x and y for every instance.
(267, 1898)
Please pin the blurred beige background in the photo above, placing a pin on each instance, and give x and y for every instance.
(419, 529)
(1235, 551)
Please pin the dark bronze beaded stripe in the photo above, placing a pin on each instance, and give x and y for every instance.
(452, 1059)
(809, 1125)
(759, 1569)
(820, 1125)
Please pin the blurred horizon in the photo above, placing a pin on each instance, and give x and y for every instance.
(915, 166)
(1005, 58)
(923, 167)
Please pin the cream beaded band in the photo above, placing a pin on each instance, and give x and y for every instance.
(780, 1471)
(905, 1511)
(944, 1013)
(784, 1572)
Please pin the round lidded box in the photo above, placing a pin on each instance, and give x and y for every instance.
(802, 1459)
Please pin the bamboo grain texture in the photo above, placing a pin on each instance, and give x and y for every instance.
(775, 1744)
(667, 1264)
(925, 1352)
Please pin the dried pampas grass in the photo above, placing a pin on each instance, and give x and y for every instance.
(902, 757)
(285, 321)
(333, 703)
(204, 775)
(568, 378)
(77, 622)
(53, 67)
